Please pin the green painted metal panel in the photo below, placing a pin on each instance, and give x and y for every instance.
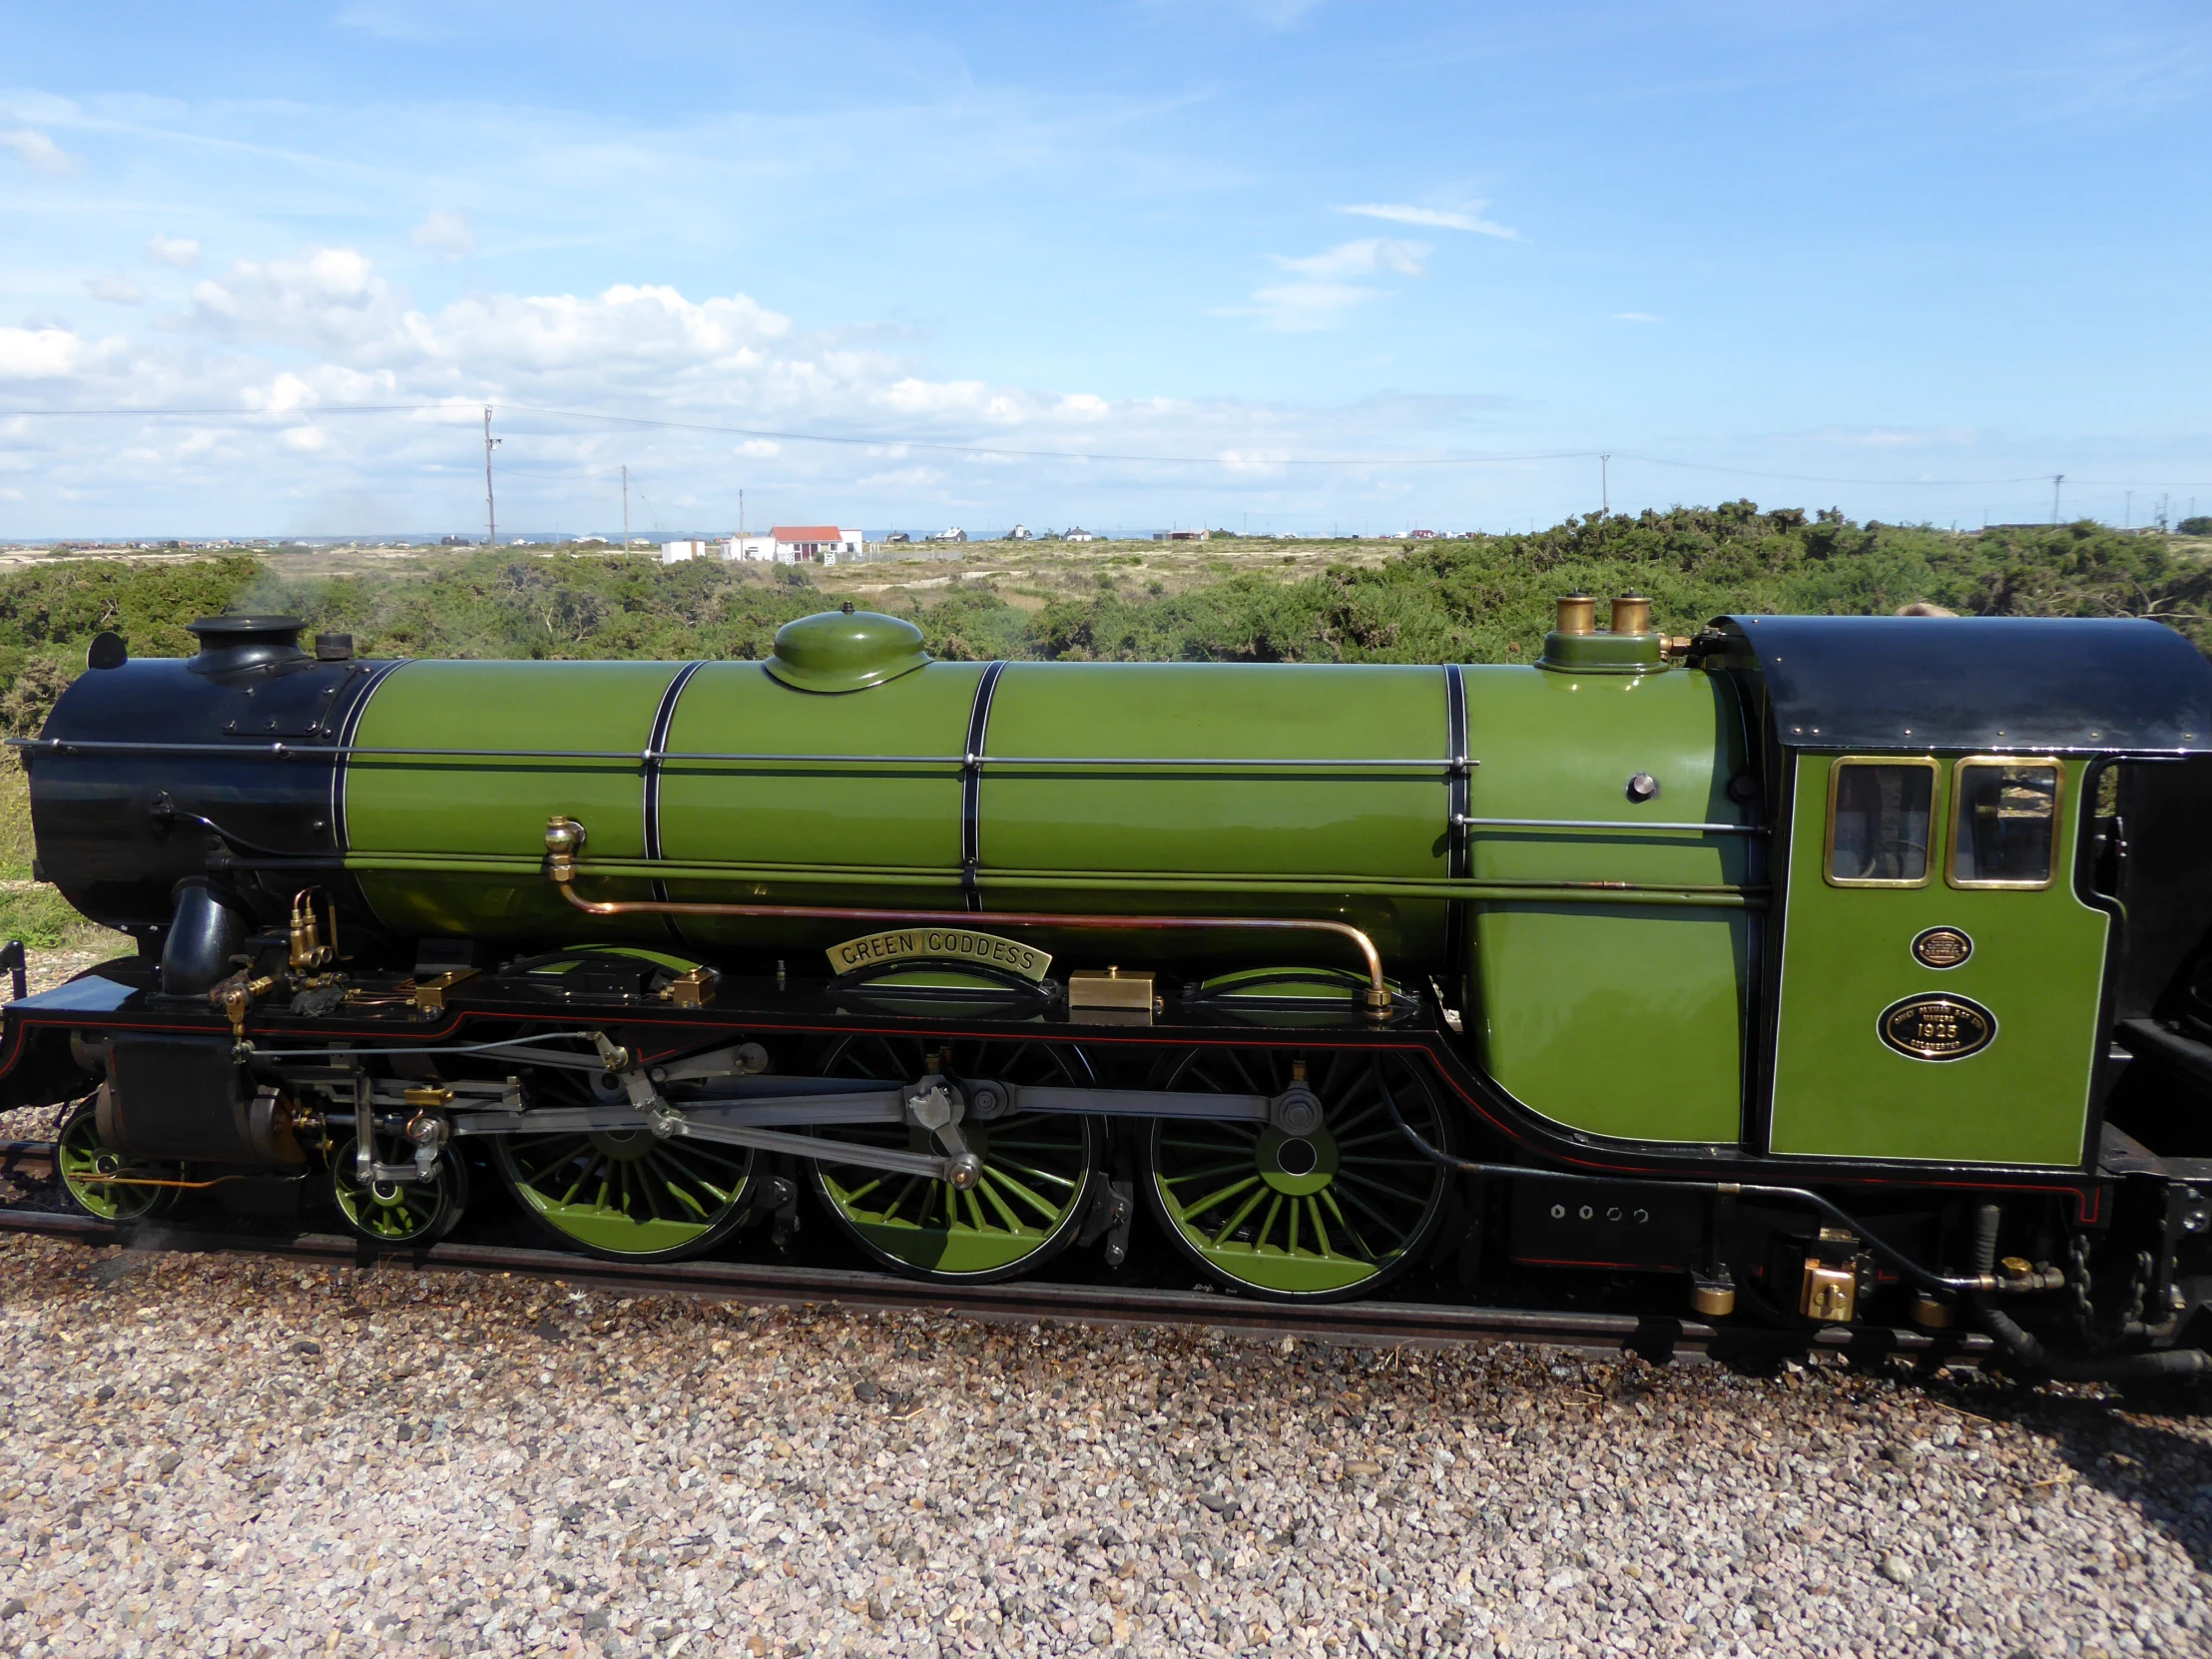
(861, 835)
(499, 806)
(1194, 820)
(1565, 746)
(866, 814)
(1616, 1021)
(2037, 965)
(1247, 822)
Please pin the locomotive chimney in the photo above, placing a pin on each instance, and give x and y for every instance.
(1577, 614)
(230, 643)
(1631, 614)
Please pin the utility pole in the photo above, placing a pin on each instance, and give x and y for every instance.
(626, 506)
(492, 512)
(1605, 487)
(741, 515)
(2057, 480)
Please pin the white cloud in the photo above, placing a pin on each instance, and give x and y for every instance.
(1303, 307)
(1250, 465)
(39, 153)
(1326, 299)
(292, 343)
(390, 22)
(115, 291)
(1634, 316)
(39, 353)
(1370, 255)
(181, 252)
(1439, 218)
(446, 234)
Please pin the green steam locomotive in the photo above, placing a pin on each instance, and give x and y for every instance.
(1823, 969)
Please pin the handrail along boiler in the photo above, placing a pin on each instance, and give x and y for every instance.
(1823, 969)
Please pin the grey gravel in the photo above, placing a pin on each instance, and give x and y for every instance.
(45, 970)
(479, 1465)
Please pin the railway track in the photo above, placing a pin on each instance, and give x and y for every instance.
(1654, 1335)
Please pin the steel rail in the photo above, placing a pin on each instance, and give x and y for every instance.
(1438, 1325)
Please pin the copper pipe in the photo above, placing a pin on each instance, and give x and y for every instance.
(148, 1181)
(1378, 996)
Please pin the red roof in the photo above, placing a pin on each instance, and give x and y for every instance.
(807, 532)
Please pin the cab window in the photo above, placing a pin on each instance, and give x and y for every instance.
(1878, 819)
(2004, 823)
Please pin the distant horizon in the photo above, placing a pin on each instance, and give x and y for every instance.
(655, 540)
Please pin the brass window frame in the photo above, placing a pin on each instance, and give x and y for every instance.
(2058, 822)
(1935, 818)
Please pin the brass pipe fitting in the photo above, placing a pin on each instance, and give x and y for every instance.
(561, 867)
(564, 839)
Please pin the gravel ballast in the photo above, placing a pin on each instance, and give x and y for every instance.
(220, 1455)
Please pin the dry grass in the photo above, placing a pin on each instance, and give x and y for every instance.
(34, 911)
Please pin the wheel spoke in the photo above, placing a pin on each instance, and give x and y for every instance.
(1327, 1214)
(1036, 1165)
(1251, 1204)
(1222, 1196)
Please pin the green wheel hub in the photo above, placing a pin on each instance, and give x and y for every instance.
(626, 1196)
(86, 1167)
(1335, 1213)
(1038, 1168)
(398, 1211)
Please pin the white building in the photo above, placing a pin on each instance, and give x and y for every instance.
(798, 544)
(675, 552)
(1079, 534)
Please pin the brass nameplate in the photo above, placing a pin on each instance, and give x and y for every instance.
(1941, 948)
(1937, 1027)
(940, 945)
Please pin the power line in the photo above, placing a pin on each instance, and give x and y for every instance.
(937, 446)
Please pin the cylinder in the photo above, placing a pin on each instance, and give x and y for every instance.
(1577, 614)
(1631, 614)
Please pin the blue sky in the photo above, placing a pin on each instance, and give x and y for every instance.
(1321, 266)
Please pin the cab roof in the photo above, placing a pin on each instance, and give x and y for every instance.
(2018, 685)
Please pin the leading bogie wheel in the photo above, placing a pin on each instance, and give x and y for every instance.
(1038, 1177)
(1335, 1213)
(98, 1181)
(398, 1211)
